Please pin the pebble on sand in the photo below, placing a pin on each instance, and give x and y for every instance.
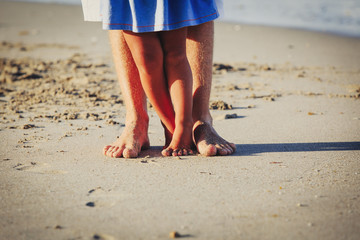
(103, 236)
(58, 227)
(27, 126)
(220, 105)
(230, 116)
(90, 204)
(174, 234)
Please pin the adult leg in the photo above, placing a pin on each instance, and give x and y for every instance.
(134, 137)
(200, 42)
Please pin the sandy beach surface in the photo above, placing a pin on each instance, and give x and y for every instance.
(288, 99)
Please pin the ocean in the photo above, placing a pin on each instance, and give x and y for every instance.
(332, 16)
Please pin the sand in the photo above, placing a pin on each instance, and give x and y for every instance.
(288, 99)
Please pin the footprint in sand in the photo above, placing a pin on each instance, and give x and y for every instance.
(100, 197)
(36, 167)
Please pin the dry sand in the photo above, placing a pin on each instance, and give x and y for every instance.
(289, 100)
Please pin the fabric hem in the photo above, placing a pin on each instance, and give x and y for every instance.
(161, 27)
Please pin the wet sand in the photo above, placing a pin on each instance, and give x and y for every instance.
(288, 99)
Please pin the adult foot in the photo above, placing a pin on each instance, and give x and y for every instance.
(209, 143)
(181, 143)
(133, 139)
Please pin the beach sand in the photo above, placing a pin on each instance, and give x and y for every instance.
(288, 99)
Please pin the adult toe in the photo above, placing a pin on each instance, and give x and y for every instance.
(233, 146)
(221, 150)
(130, 153)
(228, 148)
(207, 150)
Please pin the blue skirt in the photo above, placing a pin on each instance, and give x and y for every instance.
(156, 15)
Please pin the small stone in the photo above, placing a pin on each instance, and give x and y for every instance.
(270, 99)
(96, 236)
(73, 116)
(229, 116)
(90, 204)
(103, 236)
(220, 105)
(301, 75)
(111, 122)
(265, 68)
(58, 227)
(174, 234)
(233, 87)
(28, 126)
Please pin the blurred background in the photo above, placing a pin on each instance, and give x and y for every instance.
(333, 16)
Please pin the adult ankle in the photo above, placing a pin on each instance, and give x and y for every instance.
(203, 118)
(137, 118)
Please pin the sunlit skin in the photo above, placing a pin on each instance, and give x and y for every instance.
(134, 137)
(166, 78)
(199, 47)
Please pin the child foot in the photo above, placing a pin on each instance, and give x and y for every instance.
(168, 136)
(133, 139)
(180, 144)
(209, 143)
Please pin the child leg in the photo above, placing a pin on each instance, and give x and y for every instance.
(179, 79)
(148, 56)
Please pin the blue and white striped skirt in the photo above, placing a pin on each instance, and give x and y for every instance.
(149, 15)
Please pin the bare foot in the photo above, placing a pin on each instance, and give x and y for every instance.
(133, 139)
(209, 143)
(181, 143)
(168, 136)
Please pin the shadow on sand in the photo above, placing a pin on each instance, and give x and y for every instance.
(253, 149)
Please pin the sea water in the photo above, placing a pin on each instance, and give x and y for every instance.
(332, 16)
